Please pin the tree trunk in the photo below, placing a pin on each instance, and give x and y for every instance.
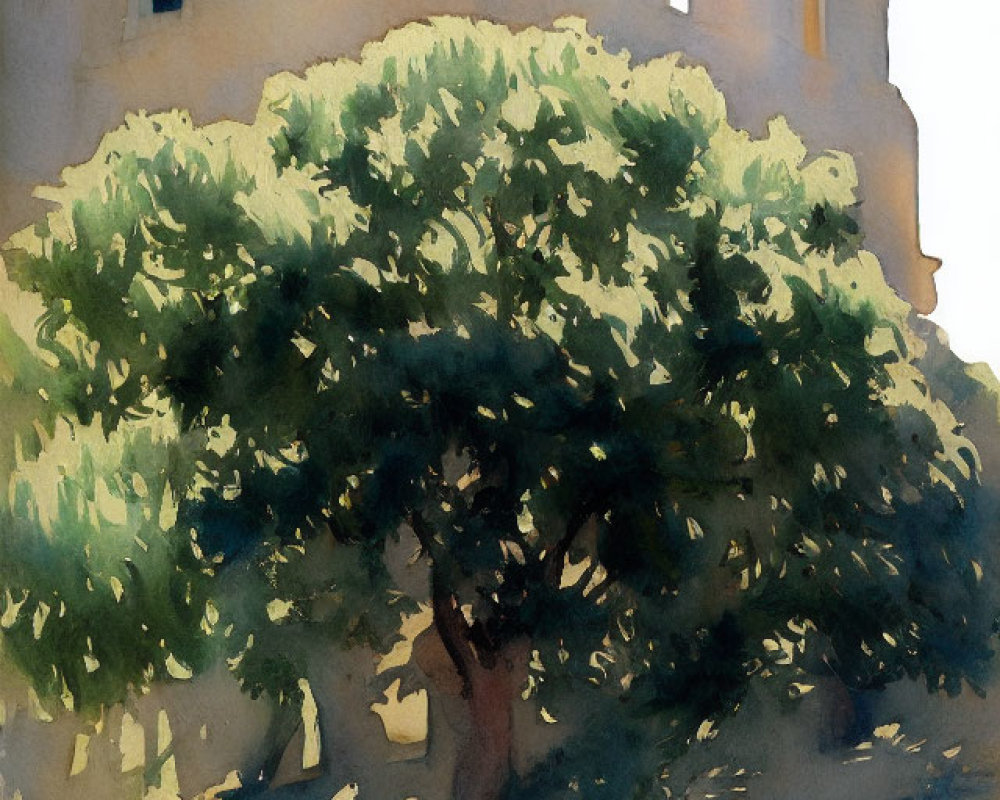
(491, 681)
(483, 769)
(490, 675)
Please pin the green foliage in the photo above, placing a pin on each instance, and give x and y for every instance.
(623, 371)
(100, 591)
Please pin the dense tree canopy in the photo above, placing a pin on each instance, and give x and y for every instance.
(625, 373)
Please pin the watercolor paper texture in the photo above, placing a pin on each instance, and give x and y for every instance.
(480, 400)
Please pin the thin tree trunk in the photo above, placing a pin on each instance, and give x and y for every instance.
(483, 769)
(483, 766)
(490, 678)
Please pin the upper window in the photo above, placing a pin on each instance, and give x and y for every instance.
(814, 32)
(145, 15)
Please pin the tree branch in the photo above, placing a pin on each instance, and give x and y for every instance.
(449, 621)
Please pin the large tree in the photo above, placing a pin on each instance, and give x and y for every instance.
(624, 373)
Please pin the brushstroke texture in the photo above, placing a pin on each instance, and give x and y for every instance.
(626, 377)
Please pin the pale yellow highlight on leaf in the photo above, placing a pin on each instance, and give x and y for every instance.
(177, 669)
(451, 104)
(81, 754)
(132, 744)
(117, 373)
(645, 252)
(310, 721)
(573, 572)
(952, 752)
(694, 529)
(139, 485)
(388, 144)
(881, 341)
(512, 550)
(457, 239)
(525, 520)
(499, 150)
(467, 480)
(598, 452)
(36, 708)
(706, 730)
(576, 204)
(628, 304)
(781, 649)
(221, 437)
(436, 245)
(304, 346)
(279, 609)
(888, 731)
(937, 476)
(811, 546)
(595, 154)
(412, 626)
(404, 719)
(549, 322)
(801, 628)
(596, 579)
(520, 108)
(265, 207)
(351, 791)
(38, 619)
(288, 208)
(112, 509)
(11, 609)
(66, 696)
(732, 153)
(832, 178)
(367, 271)
(736, 218)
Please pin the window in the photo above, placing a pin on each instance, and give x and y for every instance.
(684, 6)
(814, 32)
(144, 16)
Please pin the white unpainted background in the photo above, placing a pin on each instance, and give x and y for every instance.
(945, 58)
